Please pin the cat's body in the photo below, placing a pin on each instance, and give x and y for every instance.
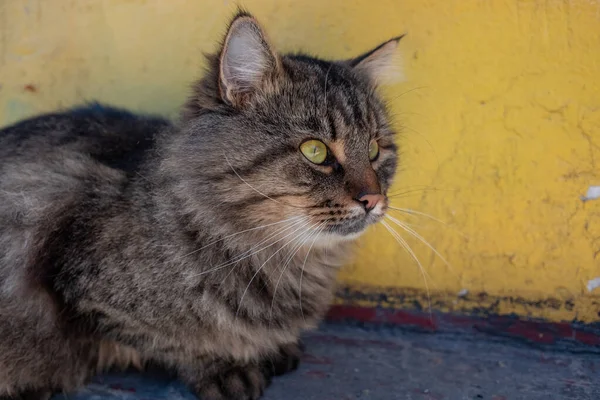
(205, 246)
(138, 279)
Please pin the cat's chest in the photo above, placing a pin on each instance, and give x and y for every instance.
(243, 312)
(280, 291)
(257, 307)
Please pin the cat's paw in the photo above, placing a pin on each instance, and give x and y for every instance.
(286, 360)
(237, 383)
(249, 382)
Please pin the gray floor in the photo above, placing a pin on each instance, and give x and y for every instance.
(344, 363)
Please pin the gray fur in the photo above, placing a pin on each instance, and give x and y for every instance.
(122, 236)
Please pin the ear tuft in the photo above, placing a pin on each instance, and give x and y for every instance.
(246, 60)
(382, 65)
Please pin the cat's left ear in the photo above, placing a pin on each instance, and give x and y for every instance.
(247, 63)
(382, 65)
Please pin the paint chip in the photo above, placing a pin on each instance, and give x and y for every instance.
(593, 284)
(463, 292)
(593, 193)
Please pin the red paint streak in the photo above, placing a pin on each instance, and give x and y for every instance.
(363, 314)
(381, 316)
(539, 332)
(31, 88)
(406, 318)
(316, 374)
(564, 330)
(587, 338)
(498, 398)
(526, 331)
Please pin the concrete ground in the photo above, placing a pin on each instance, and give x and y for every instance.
(349, 363)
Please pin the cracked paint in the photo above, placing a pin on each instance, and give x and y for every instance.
(498, 141)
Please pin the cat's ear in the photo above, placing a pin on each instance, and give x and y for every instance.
(246, 61)
(382, 65)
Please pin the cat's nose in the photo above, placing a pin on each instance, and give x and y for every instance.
(370, 201)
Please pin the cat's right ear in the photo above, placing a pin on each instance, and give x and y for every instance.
(380, 65)
(247, 63)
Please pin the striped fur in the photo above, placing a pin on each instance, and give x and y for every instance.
(205, 246)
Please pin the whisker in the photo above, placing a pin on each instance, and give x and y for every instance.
(250, 250)
(302, 241)
(261, 267)
(409, 250)
(421, 239)
(255, 189)
(411, 187)
(253, 247)
(274, 234)
(423, 189)
(293, 252)
(245, 254)
(414, 212)
(408, 91)
(229, 273)
(304, 265)
(326, 76)
(238, 233)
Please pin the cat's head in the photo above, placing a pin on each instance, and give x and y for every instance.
(276, 140)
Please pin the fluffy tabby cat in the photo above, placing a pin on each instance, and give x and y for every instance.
(205, 246)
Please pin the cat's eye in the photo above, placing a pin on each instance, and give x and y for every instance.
(314, 150)
(373, 150)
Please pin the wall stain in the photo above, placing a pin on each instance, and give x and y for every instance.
(30, 88)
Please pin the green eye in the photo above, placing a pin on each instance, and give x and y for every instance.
(314, 150)
(373, 150)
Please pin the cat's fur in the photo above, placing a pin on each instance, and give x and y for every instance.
(205, 246)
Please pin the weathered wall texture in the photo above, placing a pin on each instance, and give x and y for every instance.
(500, 121)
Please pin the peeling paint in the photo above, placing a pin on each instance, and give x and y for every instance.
(593, 193)
(593, 284)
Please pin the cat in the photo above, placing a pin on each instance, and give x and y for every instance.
(206, 245)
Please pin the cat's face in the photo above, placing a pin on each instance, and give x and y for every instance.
(295, 142)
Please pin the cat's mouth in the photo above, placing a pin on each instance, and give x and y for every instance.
(352, 227)
(343, 222)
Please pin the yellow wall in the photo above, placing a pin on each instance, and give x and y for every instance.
(500, 117)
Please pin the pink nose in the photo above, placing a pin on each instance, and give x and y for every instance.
(370, 201)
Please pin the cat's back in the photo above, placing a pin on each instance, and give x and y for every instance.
(112, 137)
(65, 165)
(54, 159)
